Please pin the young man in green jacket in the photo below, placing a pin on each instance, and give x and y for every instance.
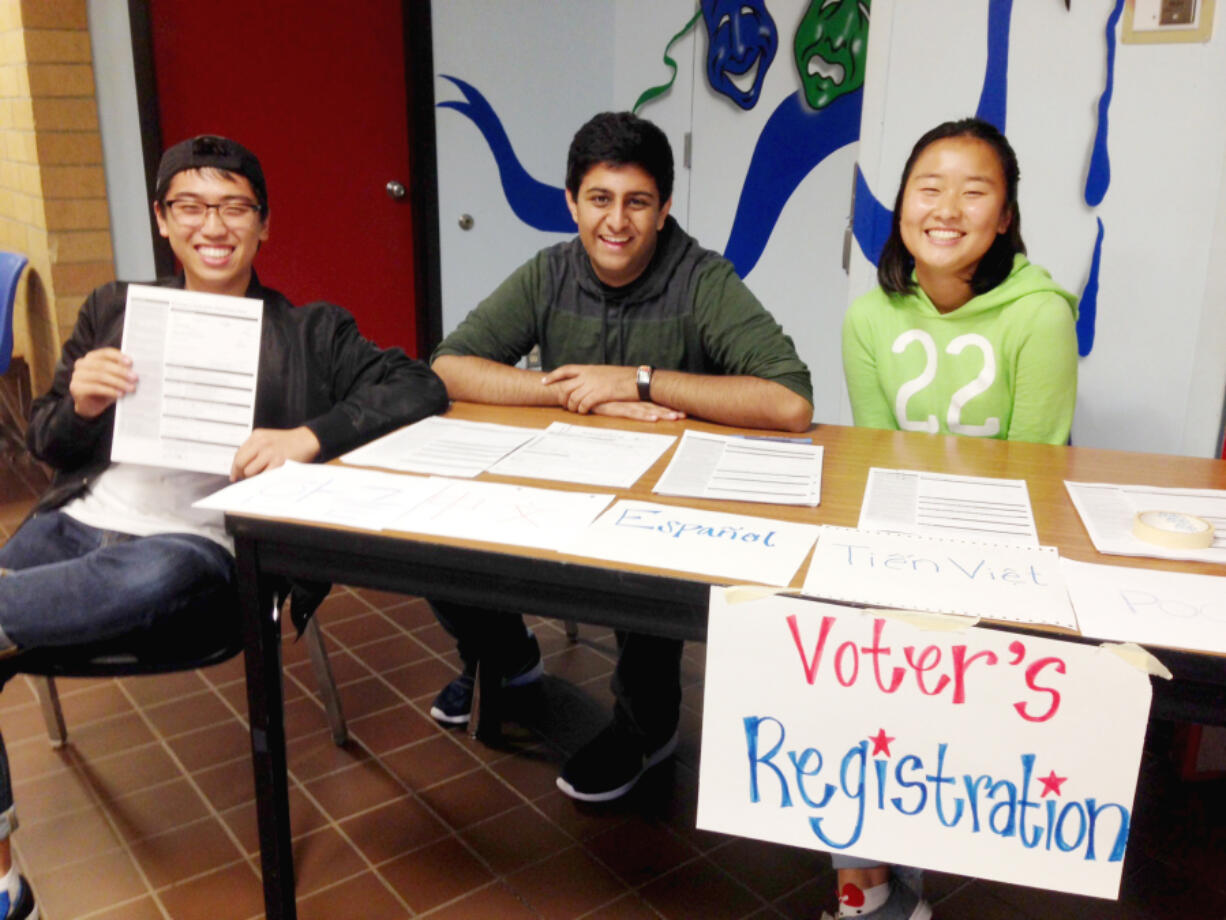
(634, 319)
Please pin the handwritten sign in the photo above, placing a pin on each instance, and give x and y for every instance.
(732, 546)
(502, 513)
(325, 493)
(1175, 609)
(978, 752)
(945, 575)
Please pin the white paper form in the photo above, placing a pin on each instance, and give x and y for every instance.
(731, 546)
(1107, 511)
(501, 513)
(607, 457)
(744, 469)
(1123, 604)
(197, 356)
(1023, 584)
(325, 493)
(444, 446)
(941, 505)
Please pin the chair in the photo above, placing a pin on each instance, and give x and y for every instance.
(12, 264)
(157, 658)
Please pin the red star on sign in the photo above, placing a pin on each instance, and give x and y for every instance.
(1051, 783)
(881, 742)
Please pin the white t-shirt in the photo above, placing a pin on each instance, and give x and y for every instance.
(147, 500)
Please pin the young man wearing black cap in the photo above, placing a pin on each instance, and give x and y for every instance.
(634, 319)
(114, 553)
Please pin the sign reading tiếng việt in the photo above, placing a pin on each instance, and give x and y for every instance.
(990, 754)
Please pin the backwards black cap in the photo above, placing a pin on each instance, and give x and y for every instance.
(208, 151)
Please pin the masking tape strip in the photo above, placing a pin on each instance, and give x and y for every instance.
(1173, 529)
(740, 594)
(1140, 658)
(938, 622)
(934, 622)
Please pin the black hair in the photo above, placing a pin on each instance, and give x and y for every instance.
(896, 263)
(620, 139)
(211, 155)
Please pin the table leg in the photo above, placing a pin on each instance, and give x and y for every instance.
(266, 713)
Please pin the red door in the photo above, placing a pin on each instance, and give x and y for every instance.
(317, 89)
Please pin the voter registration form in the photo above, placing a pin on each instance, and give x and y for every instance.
(197, 358)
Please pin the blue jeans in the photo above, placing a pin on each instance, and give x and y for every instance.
(71, 584)
(68, 584)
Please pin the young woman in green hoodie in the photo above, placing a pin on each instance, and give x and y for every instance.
(964, 335)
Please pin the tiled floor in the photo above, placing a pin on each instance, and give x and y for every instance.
(147, 813)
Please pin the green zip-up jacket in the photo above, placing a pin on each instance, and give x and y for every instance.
(688, 311)
(1002, 365)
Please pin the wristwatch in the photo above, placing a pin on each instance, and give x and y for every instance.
(643, 380)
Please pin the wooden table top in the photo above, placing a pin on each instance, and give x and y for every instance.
(850, 452)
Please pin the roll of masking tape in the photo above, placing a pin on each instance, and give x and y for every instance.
(1173, 529)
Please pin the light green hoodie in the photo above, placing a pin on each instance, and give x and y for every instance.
(1002, 365)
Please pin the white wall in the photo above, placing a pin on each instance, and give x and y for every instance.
(546, 68)
(1155, 378)
(119, 120)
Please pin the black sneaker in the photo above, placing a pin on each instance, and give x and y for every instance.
(454, 704)
(609, 765)
(23, 906)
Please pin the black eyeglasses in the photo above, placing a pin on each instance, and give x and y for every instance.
(192, 213)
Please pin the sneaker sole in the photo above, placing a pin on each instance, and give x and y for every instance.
(439, 716)
(658, 756)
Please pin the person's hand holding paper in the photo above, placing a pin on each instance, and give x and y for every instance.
(99, 378)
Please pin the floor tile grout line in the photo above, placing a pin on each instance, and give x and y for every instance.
(438, 908)
(111, 907)
(188, 775)
(79, 764)
(413, 793)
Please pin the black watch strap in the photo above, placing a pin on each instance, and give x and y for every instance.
(643, 380)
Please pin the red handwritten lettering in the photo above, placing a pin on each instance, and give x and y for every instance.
(839, 657)
(962, 664)
(810, 664)
(1032, 674)
(929, 658)
(876, 650)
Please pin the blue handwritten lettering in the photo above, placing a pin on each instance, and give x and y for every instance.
(859, 754)
(1076, 826)
(752, 724)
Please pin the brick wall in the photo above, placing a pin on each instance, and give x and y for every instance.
(52, 187)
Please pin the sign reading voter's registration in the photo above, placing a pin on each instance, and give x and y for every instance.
(983, 753)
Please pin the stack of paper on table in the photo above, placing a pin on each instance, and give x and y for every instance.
(944, 505)
(445, 446)
(609, 457)
(734, 468)
(1107, 511)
